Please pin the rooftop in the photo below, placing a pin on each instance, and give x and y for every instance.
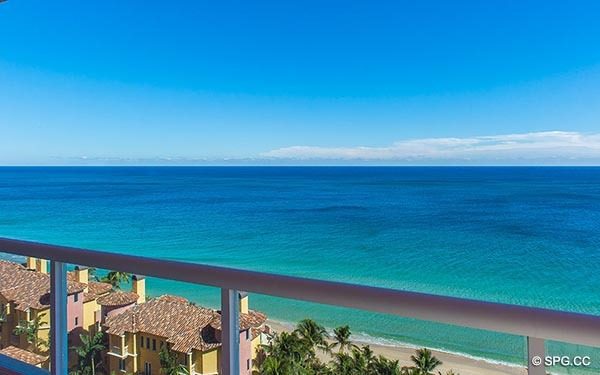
(95, 289)
(118, 298)
(23, 355)
(27, 288)
(184, 325)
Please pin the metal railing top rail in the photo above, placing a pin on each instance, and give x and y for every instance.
(513, 319)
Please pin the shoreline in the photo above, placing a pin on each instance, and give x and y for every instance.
(461, 363)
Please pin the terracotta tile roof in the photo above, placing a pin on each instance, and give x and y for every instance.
(250, 320)
(29, 289)
(170, 298)
(256, 318)
(6, 266)
(98, 288)
(94, 288)
(256, 332)
(183, 325)
(118, 298)
(23, 355)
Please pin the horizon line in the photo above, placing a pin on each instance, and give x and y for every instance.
(303, 166)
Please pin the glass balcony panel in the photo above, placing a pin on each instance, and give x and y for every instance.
(563, 358)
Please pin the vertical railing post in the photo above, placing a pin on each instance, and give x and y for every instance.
(230, 332)
(59, 360)
(536, 354)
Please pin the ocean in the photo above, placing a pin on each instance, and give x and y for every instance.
(522, 235)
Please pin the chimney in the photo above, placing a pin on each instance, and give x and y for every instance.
(139, 287)
(31, 263)
(243, 302)
(42, 266)
(82, 274)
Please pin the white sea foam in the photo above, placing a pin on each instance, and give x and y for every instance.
(365, 338)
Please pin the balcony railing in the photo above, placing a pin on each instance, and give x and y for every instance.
(118, 351)
(536, 324)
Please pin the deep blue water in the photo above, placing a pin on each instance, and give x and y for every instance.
(528, 236)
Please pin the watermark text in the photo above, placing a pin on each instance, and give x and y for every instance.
(561, 360)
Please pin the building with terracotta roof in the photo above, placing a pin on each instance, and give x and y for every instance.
(25, 356)
(136, 330)
(99, 298)
(119, 301)
(92, 291)
(193, 333)
(25, 299)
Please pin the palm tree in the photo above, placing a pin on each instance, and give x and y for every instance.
(375, 365)
(115, 278)
(289, 345)
(425, 362)
(169, 365)
(31, 331)
(293, 353)
(360, 363)
(313, 334)
(341, 336)
(88, 353)
(384, 366)
(279, 366)
(271, 366)
(93, 274)
(288, 353)
(409, 371)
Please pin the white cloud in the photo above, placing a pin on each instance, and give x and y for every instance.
(553, 147)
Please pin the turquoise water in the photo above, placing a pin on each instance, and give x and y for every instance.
(528, 236)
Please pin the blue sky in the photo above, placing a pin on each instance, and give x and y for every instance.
(311, 82)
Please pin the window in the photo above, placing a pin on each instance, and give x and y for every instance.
(76, 321)
(147, 368)
(141, 341)
(122, 364)
(154, 344)
(76, 297)
(147, 342)
(248, 334)
(247, 364)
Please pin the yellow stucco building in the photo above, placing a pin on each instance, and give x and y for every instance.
(189, 332)
(25, 302)
(136, 331)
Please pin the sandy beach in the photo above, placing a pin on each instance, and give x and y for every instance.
(461, 364)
